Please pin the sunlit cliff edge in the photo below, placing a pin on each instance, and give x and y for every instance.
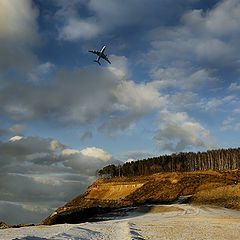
(220, 188)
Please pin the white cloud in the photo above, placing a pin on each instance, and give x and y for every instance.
(109, 16)
(234, 86)
(83, 96)
(96, 153)
(79, 29)
(119, 66)
(130, 160)
(69, 151)
(18, 21)
(224, 19)
(182, 78)
(198, 51)
(55, 145)
(218, 103)
(177, 132)
(133, 101)
(15, 138)
(41, 71)
(18, 32)
(221, 21)
(231, 123)
(138, 97)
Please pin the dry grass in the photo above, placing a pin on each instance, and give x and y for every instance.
(225, 196)
(209, 186)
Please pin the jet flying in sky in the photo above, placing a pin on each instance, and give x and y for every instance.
(100, 55)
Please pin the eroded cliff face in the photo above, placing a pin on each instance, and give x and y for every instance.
(106, 195)
(113, 191)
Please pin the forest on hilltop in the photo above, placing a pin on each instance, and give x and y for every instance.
(220, 160)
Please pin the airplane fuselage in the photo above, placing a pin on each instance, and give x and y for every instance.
(100, 55)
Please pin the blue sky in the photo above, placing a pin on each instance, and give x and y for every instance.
(173, 86)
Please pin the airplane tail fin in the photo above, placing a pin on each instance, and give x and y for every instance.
(97, 62)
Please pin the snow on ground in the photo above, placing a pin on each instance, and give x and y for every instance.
(168, 222)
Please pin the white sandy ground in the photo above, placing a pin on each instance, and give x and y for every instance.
(181, 222)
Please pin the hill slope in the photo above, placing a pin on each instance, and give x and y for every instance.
(106, 195)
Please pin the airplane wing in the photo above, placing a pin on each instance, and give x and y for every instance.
(105, 58)
(95, 52)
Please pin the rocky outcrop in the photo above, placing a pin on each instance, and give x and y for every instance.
(106, 195)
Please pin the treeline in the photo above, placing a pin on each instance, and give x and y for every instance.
(222, 159)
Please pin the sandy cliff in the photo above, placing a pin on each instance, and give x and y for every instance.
(105, 195)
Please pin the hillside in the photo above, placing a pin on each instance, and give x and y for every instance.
(107, 195)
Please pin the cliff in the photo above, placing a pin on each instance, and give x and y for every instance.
(107, 195)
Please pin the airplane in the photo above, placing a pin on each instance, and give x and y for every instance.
(100, 55)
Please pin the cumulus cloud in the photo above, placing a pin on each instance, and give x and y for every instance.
(182, 78)
(96, 153)
(41, 71)
(215, 104)
(200, 50)
(115, 17)
(231, 122)
(177, 132)
(44, 173)
(18, 32)
(83, 96)
(133, 102)
(69, 151)
(234, 86)
(15, 138)
(139, 97)
(119, 66)
(79, 29)
(69, 98)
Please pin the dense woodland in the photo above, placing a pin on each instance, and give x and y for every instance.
(222, 159)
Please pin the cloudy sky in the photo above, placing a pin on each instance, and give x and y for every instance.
(173, 86)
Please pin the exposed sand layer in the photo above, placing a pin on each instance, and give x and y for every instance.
(172, 222)
(113, 191)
